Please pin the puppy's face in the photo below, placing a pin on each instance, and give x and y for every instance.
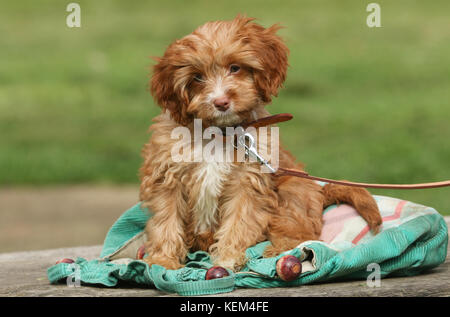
(220, 73)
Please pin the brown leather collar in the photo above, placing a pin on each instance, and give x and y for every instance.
(277, 118)
(293, 172)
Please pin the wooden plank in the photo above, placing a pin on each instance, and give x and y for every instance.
(24, 274)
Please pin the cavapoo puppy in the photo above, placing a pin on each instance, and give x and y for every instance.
(225, 73)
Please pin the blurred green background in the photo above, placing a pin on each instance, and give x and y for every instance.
(369, 104)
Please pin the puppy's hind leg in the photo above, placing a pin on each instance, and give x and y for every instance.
(359, 198)
(299, 215)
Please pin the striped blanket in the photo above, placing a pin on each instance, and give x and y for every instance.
(343, 223)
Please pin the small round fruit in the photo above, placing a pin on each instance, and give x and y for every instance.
(289, 268)
(140, 253)
(65, 261)
(216, 272)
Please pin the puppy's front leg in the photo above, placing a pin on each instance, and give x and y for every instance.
(166, 234)
(245, 208)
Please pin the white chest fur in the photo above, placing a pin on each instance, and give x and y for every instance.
(211, 176)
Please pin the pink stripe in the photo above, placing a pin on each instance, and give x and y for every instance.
(334, 220)
(396, 215)
(398, 211)
(329, 233)
(361, 234)
(340, 213)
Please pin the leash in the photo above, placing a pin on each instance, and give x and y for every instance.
(247, 141)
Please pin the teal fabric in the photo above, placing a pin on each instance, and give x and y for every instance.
(126, 227)
(408, 247)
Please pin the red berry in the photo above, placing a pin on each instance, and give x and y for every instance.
(140, 253)
(65, 261)
(216, 272)
(289, 268)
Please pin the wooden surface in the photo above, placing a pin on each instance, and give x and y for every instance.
(24, 274)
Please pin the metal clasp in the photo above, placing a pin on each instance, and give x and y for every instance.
(248, 142)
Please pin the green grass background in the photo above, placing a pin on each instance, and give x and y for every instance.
(369, 104)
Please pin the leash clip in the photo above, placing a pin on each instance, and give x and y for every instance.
(250, 149)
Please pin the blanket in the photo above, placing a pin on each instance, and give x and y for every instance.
(413, 238)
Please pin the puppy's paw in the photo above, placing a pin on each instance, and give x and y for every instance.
(169, 264)
(375, 226)
(374, 219)
(233, 264)
(271, 251)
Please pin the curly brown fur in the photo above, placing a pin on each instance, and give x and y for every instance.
(224, 208)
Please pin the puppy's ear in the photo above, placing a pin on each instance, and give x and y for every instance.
(273, 57)
(163, 90)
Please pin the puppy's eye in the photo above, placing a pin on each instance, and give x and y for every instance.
(234, 68)
(198, 77)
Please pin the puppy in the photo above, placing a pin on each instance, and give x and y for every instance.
(225, 73)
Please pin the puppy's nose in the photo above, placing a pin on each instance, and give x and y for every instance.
(222, 103)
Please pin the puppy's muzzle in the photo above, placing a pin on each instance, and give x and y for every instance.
(222, 103)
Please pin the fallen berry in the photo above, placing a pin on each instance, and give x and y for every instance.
(216, 272)
(289, 268)
(140, 253)
(65, 261)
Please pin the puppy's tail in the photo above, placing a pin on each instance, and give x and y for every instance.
(359, 198)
